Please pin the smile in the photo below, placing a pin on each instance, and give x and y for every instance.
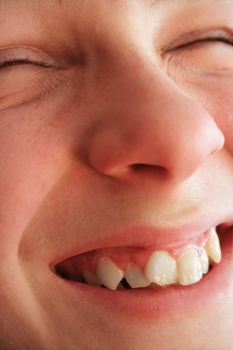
(136, 267)
(150, 275)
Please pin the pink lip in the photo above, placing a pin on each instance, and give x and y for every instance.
(152, 304)
(146, 236)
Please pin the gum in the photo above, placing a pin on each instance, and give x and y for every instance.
(121, 256)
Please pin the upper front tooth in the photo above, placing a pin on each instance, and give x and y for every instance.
(161, 268)
(204, 261)
(135, 276)
(189, 267)
(108, 273)
(213, 248)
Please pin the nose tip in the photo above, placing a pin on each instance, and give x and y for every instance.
(158, 129)
(176, 151)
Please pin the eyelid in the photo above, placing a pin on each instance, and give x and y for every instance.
(207, 39)
(23, 61)
(26, 53)
(199, 36)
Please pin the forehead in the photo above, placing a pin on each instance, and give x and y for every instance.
(78, 5)
(34, 14)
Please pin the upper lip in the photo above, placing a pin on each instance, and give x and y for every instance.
(146, 235)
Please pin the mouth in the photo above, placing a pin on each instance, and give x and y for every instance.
(137, 267)
(169, 277)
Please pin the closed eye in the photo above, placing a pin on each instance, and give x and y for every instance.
(23, 61)
(220, 39)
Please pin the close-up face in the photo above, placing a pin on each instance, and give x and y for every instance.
(116, 182)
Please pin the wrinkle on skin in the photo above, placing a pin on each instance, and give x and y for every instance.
(68, 158)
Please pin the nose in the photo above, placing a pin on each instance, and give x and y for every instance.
(148, 121)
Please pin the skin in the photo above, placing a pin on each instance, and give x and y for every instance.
(118, 93)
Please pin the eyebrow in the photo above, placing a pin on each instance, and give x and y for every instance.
(155, 3)
(158, 2)
(150, 3)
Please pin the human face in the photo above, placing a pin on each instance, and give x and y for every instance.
(117, 134)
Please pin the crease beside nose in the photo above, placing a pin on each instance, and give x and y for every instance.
(159, 129)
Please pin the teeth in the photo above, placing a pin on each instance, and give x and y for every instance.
(189, 267)
(135, 277)
(91, 278)
(108, 273)
(213, 248)
(161, 269)
(204, 261)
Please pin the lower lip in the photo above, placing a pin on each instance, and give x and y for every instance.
(154, 304)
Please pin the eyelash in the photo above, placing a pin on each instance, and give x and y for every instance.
(222, 39)
(20, 61)
(23, 61)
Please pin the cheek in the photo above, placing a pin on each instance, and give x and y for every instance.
(30, 163)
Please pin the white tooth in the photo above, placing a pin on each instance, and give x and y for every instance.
(189, 267)
(204, 261)
(213, 248)
(91, 278)
(135, 277)
(108, 273)
(161, 268)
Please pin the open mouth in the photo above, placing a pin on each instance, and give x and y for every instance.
(135, 267)
(149, 282)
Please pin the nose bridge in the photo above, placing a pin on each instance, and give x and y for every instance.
(148, 120)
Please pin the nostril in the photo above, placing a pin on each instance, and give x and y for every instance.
(149, 168)
(139, 166)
